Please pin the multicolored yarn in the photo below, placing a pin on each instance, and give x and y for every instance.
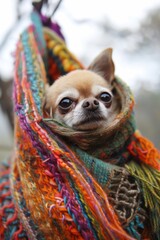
(57, 191)
(8, 211)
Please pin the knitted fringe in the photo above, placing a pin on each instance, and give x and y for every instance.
(149, 179)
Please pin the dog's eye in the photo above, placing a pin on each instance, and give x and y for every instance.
(105, 97)
(65, 103)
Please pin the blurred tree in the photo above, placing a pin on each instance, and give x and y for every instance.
(148, 101)
(6, 103)
(6, 99)
(150, 30)
(148, 113)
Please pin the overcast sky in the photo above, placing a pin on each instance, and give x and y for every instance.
(121, 14)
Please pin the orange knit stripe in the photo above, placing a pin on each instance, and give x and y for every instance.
(145, 151)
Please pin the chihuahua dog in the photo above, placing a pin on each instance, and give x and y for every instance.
(84, 99)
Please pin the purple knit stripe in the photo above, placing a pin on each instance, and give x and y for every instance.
(47, 22)
(52, 164)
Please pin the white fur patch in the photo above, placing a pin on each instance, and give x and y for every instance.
(77, 114)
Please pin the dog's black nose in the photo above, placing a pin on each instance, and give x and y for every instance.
(90, 104)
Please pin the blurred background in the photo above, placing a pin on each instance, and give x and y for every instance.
(131, 28)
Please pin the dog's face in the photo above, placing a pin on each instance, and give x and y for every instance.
(83, 99)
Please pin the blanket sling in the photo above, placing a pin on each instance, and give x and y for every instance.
(53, 188)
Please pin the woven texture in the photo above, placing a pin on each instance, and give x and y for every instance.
(52, 190)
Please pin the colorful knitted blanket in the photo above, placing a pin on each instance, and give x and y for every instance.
(55, 188)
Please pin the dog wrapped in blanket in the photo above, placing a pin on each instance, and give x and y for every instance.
(80, 169)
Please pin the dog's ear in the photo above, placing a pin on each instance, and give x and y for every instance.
(104, 65)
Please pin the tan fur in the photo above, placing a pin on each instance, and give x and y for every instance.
(82, 80)
(80, 85)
